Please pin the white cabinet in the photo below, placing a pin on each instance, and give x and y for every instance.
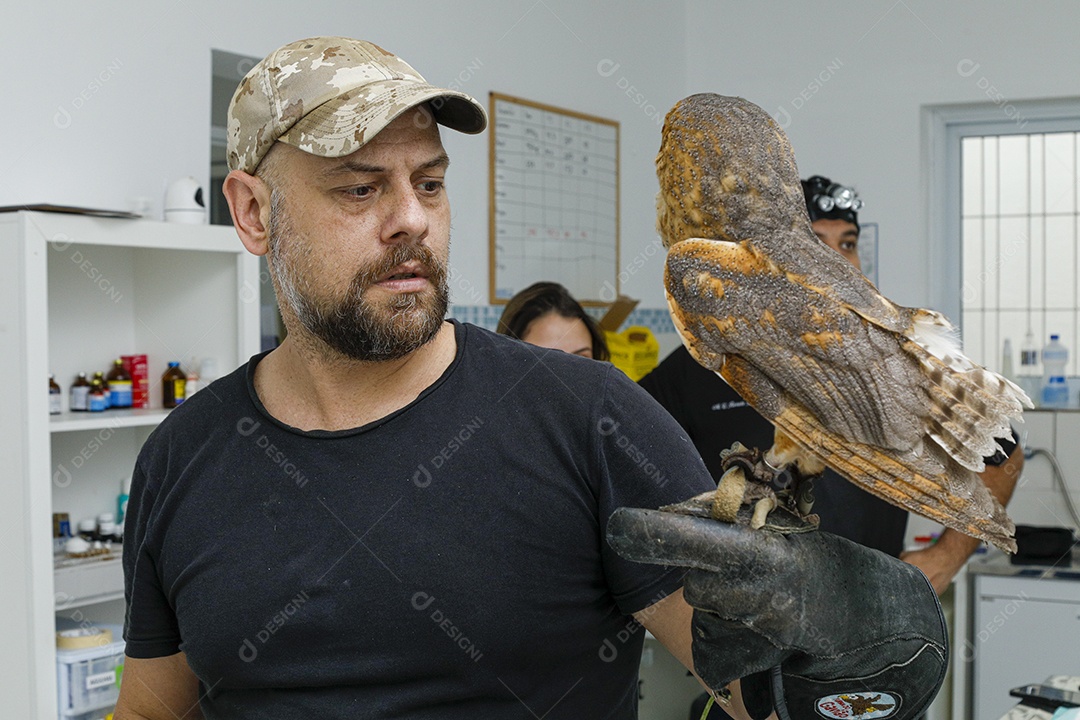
(76, 292)
(1024, 629)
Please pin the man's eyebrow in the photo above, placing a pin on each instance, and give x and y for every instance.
(350, 167)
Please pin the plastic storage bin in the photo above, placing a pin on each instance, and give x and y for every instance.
(89, 680)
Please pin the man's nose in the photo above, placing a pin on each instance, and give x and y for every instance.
(406, 218)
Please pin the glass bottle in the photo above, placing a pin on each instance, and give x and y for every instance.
(54, 396)
(99, 397)
(119, 382)
(80, 394)
(173, 384)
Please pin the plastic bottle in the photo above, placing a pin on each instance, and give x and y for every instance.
(122, 499)
(80, 394)
(208, 372)
(119, 381)
(192, 383)
(1007, 360)
(54, 396)
(1030, 379)
(88, 529)
(173, 384)
(1055, 389)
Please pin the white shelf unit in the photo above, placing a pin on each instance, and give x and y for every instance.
(76, 292)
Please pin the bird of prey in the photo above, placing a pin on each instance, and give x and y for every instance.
(879, 392)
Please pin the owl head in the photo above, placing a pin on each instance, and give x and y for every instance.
(726, 172)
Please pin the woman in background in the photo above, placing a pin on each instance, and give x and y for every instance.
(546, 315)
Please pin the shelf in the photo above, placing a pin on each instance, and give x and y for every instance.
(88, 582)
(75, 421)
(82, 291)
(62, 231)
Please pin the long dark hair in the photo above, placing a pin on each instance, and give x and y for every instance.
(542, 298)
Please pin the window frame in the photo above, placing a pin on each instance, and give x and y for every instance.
(943, 128)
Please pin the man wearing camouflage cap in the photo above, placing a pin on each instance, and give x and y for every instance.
(392, 515)
(389, 515)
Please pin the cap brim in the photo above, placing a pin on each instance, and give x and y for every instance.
(344, 124)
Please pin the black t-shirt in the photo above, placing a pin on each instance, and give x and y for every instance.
(445, 561)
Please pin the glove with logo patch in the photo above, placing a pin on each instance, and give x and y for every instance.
(814, 625)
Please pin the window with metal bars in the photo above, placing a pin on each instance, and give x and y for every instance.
(1004, 193)
(1018, 237)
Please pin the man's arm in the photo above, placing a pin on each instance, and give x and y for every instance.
(669, 622)
(941, 561)
(162, 688)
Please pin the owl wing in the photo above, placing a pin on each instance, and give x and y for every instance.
(870, 402)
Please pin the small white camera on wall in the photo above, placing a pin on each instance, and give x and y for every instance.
(184, 202)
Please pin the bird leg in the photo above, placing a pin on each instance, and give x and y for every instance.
(752, 492)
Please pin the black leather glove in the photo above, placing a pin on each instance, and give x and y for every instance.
(815, 625)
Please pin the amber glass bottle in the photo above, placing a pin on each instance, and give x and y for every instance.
(54, 395)
(173, 385)
(119, 381)
(99, 393)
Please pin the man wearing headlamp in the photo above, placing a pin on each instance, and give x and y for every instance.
(832, 209)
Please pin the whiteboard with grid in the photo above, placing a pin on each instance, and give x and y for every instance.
(554, 200)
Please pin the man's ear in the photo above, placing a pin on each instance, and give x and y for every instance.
(249, 204)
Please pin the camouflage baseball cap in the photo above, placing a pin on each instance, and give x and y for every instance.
(328, 96)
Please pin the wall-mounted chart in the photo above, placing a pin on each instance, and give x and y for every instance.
(554, 205)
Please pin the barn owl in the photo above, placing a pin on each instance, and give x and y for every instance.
(879, 392)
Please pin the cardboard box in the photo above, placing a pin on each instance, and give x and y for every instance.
(140, 379)
(617, 313)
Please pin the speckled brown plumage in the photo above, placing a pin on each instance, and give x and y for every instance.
(875, 390)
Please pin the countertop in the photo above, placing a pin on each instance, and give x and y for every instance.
(995, 562)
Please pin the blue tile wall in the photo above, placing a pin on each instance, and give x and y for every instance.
(487, 316)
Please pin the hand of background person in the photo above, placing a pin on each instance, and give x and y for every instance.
(941, 561)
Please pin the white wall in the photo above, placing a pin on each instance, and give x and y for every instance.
(108, 101)
(861, 124)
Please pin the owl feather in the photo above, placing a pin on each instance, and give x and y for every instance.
(879, 392)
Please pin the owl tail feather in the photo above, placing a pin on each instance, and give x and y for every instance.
(932, 485)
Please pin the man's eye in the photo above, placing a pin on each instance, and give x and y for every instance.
(431, 186)
(361, 192)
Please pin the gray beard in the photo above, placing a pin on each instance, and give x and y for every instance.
(351, 325)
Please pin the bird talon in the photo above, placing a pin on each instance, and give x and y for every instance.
(762, 508)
